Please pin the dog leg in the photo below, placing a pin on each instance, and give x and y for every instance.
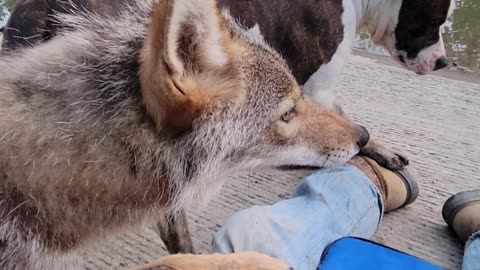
(386, 157)
(238, 261)
(174, 232)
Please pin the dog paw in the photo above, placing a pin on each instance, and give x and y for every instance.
(393, 161)
(390, 159)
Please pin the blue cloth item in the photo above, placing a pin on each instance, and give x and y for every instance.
(326, 206)
(471, 259)
(356, 254)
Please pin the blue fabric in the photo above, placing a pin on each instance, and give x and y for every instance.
(471, 259)
(326, 206)
(356, 254)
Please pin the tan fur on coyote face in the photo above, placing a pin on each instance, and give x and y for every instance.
(118, 119)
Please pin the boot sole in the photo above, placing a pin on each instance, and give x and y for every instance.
(458, 202)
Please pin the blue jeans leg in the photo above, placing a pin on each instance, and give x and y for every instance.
(471, 259)
(326, 206)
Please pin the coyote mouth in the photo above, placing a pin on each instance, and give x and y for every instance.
(299, 167)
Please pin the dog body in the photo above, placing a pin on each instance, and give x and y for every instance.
(120, 119)
(317, 37)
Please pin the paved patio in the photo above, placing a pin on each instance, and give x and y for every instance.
(434, 119)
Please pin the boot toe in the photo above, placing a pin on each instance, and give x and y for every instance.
(408, 178)
(399, 188)
(458, 202)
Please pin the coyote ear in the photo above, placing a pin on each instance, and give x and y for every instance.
(185, 40)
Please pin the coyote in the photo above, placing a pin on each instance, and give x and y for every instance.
(120, 121)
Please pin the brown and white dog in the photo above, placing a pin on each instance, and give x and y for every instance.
(317, 37)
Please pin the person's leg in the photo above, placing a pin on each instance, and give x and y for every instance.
(471, 259)
(462, 213)
(326, 206)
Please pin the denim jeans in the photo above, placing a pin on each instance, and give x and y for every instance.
(471, 259)
(326, 206)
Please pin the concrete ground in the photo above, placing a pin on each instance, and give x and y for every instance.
(434, 119)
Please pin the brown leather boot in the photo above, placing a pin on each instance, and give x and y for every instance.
(462, 213)
(398, 188)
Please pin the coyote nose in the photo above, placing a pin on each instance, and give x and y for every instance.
(364, 137)
(441, 63)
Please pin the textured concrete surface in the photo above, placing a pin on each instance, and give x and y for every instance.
(434, 119)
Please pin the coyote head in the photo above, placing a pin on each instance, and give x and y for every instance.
(205, 78)
(229, 101)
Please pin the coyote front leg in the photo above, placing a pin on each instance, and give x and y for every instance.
(174, 232)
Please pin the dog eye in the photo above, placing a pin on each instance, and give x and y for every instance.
(288, 116)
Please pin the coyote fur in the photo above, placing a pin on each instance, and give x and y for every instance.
(121, 119)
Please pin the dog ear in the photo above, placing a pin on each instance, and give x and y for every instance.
(185, 62)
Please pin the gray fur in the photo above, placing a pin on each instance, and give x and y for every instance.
(80, 158)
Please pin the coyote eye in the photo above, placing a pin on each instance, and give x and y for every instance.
(288, 116)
